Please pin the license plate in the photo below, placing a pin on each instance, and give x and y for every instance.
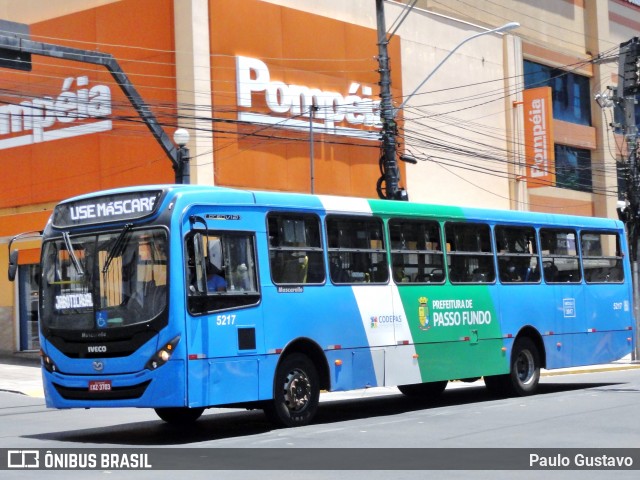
(100, 385)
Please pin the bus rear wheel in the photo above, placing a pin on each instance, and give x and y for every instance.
(524, 375)
(179, 415)
(430, 390)
(296, 392)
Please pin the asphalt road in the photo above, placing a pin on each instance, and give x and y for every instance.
(583, 411)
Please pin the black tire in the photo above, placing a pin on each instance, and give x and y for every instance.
(179, 415)
(524, 374)
(430, 390)
(296, 392)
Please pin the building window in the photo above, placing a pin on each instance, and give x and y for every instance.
(573, 168)
(570, 92)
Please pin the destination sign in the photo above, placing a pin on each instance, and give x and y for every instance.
(106, 208)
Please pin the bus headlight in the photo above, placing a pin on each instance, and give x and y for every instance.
(163, 355)
(47, 363)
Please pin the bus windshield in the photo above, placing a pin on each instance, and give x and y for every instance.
(105, 280)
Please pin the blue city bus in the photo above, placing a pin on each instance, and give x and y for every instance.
(180, 298)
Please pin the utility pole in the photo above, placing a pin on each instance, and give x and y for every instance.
(628, 89)
(388, 160)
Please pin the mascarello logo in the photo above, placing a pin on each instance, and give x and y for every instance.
(77, 110)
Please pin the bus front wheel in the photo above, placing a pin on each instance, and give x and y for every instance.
(179, 415)
(524, 374)
(296, 392)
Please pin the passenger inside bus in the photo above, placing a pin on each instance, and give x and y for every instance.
(215, 270)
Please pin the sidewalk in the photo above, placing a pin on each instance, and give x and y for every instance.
(23, 376)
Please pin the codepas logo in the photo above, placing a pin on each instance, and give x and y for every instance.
(353, 113)
(79, 109)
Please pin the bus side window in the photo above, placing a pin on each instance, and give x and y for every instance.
(216, 281)
(601, 257)
(416, 255)
(560, 260)
(295, 249)
(469, 253)
(195, 263)
(221, 271)
(517, 252)
(357, 250)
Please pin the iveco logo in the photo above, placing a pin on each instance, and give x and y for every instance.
(96, 349)
(98, 366)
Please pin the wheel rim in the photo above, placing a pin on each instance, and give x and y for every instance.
(525, 367)
(297, 391)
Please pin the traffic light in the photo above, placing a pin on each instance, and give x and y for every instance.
(629, 67)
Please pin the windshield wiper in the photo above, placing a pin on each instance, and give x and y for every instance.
(72, 253)
(117, 248)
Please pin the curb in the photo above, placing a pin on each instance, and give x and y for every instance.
(588, 369)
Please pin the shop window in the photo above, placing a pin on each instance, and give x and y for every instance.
(28, 290)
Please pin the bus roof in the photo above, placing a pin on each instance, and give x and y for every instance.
(336, 204)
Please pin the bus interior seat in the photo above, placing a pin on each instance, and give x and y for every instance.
(437, 275)
(338, 274)
(295, 270)
(550, 271)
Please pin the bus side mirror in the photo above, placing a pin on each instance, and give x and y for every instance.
(13, 254)
(13, 264)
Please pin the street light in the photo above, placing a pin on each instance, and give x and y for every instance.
(504, 28)
(181, 168)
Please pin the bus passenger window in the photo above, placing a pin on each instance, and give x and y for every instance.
(356, 250)
(560, 261)
(416, 254)
(517, 254)
(601, 257)
(469, 253)
(216, 281)
(221, 270)
(295, 249)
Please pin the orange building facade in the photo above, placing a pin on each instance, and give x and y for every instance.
(66, 127)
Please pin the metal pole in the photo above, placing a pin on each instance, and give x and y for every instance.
(312, 109)
(635, 353)
(183, 173)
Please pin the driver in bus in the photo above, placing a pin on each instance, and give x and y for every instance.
(215, 273)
